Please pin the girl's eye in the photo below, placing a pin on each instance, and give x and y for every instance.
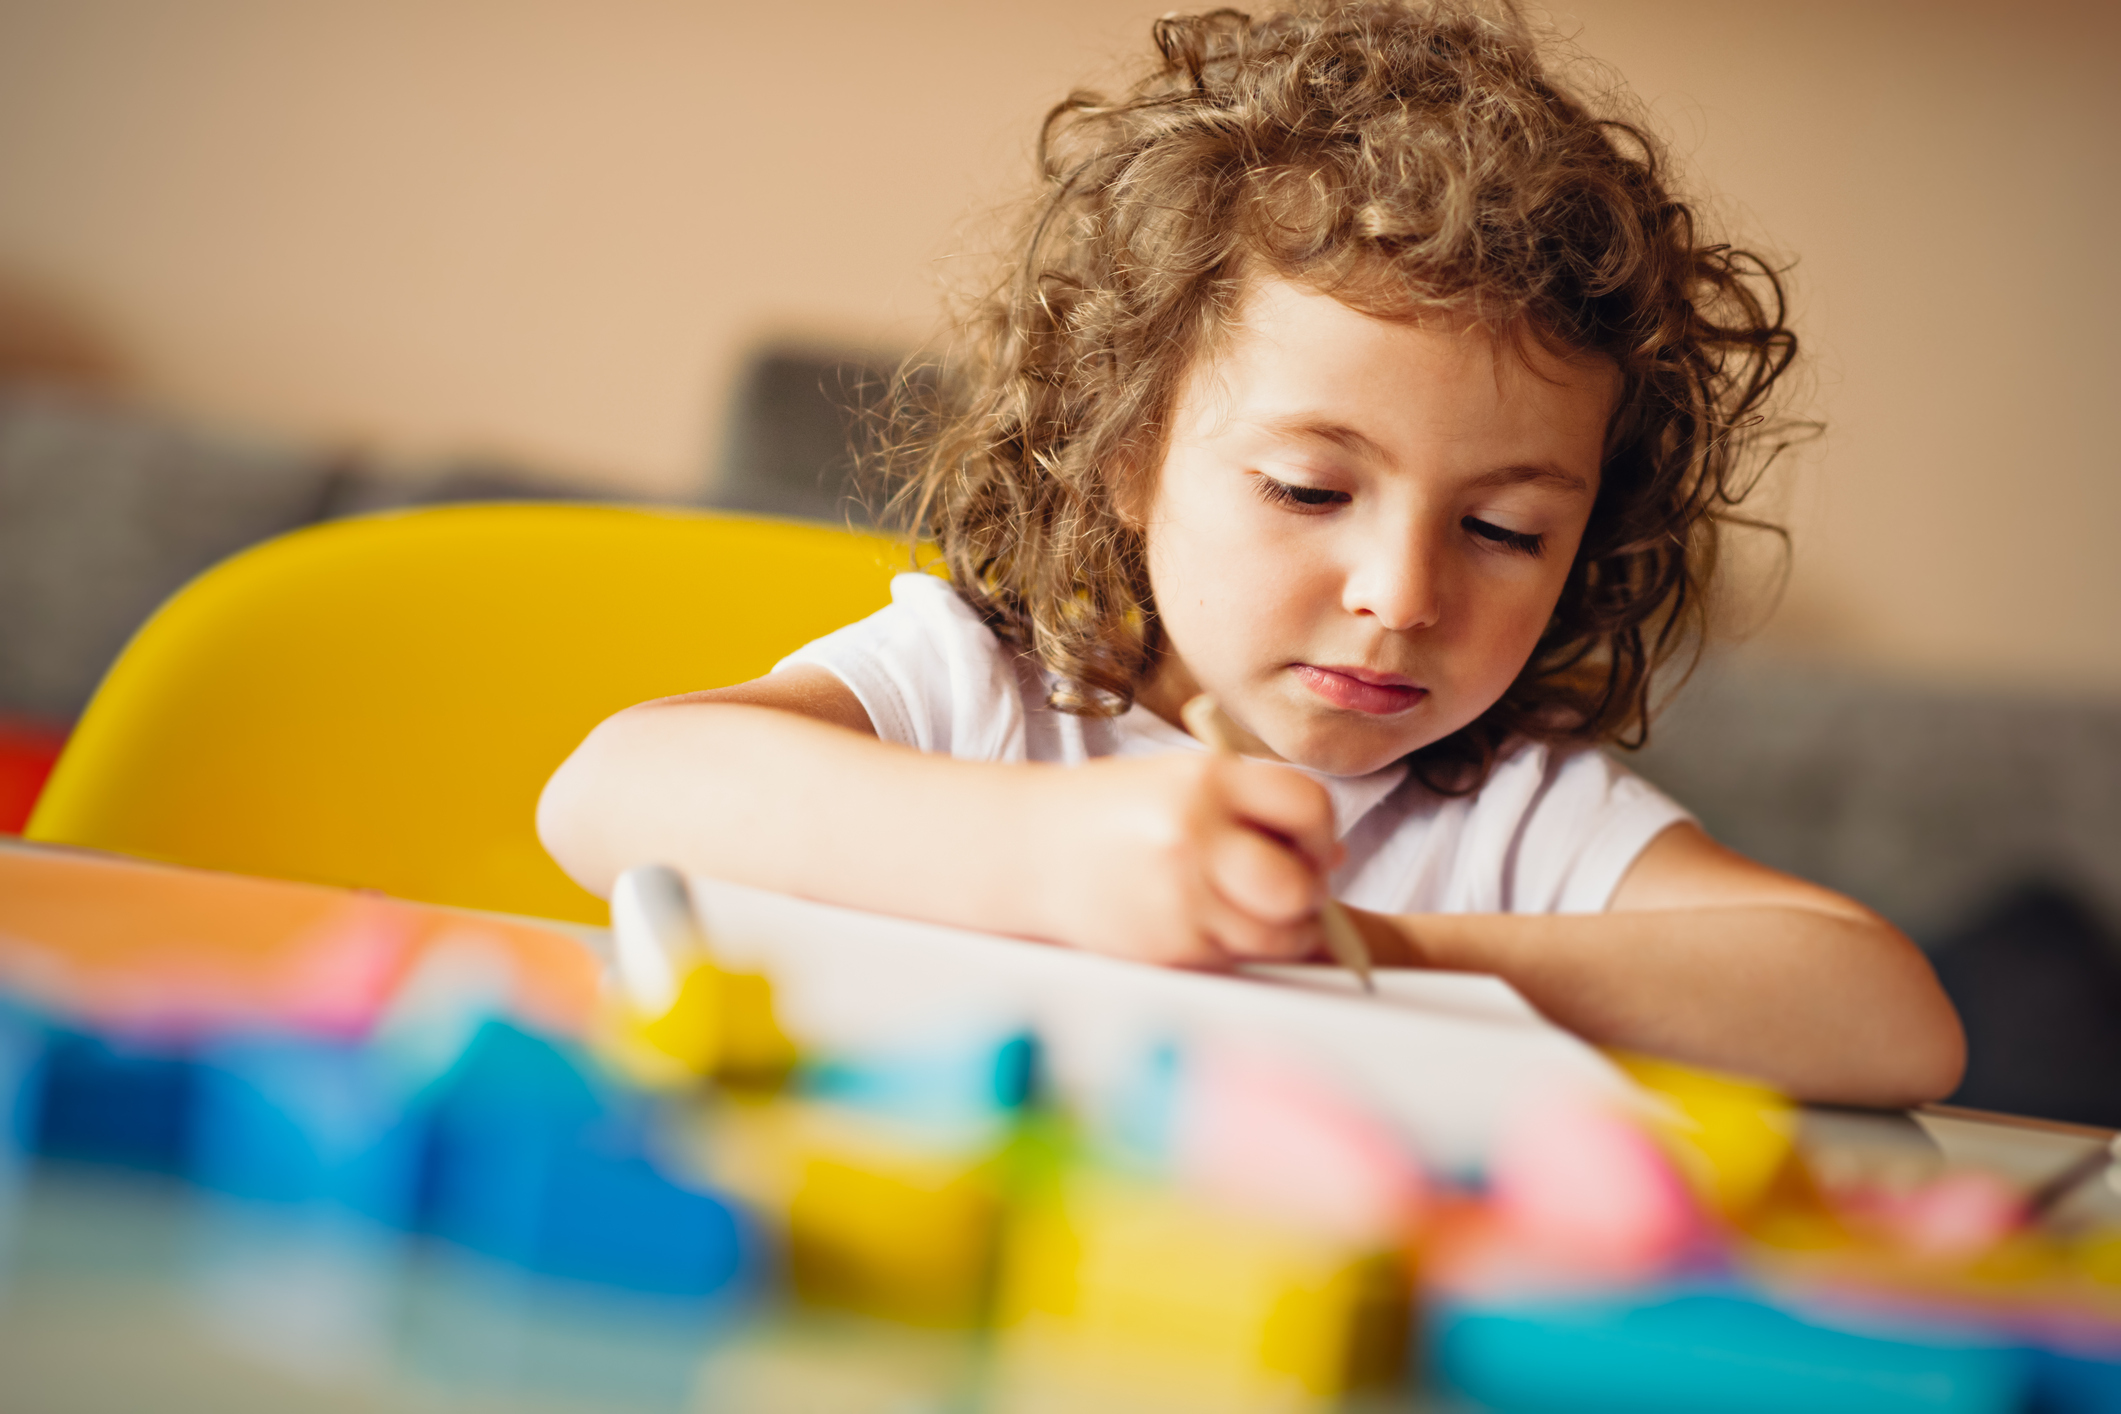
(1513, 540)
(1310, 498)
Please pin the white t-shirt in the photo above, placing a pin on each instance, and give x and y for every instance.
(1550, 832)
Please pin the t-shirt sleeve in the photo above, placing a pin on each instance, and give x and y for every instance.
(928, 672)
(1587, 821)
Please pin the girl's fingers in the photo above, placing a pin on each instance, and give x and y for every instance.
(1286, 803)
(1262, 877)
(1238, 934)
(1203, 860)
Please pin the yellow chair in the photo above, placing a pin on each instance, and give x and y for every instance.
(378, 701)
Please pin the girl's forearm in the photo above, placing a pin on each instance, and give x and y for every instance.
(1830, 1007)
(780, 801)
(783, 801)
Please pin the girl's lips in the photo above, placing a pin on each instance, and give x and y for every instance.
(1377, 694)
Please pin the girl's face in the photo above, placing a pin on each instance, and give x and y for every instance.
(1361, 526)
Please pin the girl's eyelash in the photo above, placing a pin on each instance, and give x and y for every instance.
(1310, 498)
(1318, 498)
(1517, 540)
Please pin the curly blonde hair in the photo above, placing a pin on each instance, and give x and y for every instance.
(1409, 159)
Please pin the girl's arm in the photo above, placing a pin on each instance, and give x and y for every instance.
(782, 783)
(1197, 859)
(1705, 956)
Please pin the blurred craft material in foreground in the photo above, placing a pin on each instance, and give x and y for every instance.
(394, 1152)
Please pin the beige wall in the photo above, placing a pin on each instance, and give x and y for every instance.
(548, 230)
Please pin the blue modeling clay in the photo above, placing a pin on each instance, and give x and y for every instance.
(1684, 1350)
(291, 1119)
(22, 1040)
(1144, 1116)
(21, 1097)
(113, 1100)
(2076, 1384)
(534, 1163)
(975, 1081)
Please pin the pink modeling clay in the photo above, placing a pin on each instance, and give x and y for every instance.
(337, 979)
(1960, 1214)
(1266, 1137)
(1584, 1188)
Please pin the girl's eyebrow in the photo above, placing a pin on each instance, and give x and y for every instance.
(1320, 429)
(1559, 477)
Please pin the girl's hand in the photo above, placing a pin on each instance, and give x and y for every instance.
(1191, 860)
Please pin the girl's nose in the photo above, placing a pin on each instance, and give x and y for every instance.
(1396, 584)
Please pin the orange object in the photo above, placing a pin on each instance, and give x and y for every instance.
(147, 945)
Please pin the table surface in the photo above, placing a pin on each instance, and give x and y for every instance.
(123, 1292)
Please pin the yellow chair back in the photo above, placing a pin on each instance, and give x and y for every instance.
(378, 701)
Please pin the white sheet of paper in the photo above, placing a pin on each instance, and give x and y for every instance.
(1447, 1058)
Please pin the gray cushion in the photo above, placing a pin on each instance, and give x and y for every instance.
(104, 511)
(361, 488)
(1925, 803)
(2038, 983)
(798, 426)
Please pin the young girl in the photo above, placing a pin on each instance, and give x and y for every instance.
(1357, 374)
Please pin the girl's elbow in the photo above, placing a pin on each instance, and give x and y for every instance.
(1935, 1049)
(1921, 1059)
(1937, 1058)
(1923, 1044)
(1890, 1071)
(1901, 1040)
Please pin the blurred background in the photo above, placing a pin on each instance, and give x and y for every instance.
(262, 264)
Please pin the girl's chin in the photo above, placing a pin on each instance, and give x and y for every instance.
(1330, 752)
